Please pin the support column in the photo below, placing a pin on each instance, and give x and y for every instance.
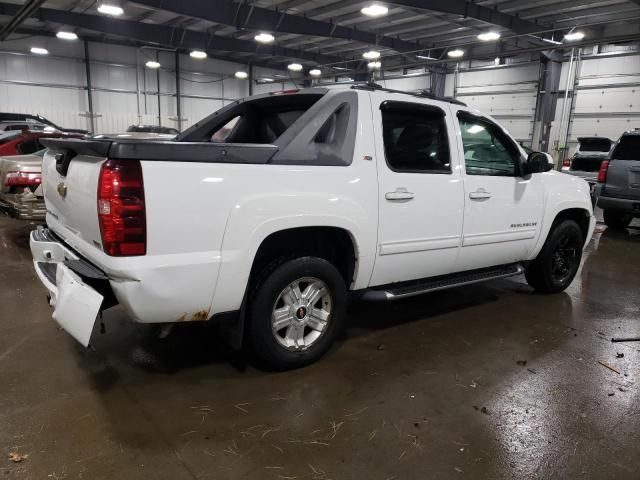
(87, 63)
(178, 101)
(547, 99)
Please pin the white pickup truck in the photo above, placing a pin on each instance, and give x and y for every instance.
(264, 215)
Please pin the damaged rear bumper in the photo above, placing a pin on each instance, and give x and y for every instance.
(78, 290)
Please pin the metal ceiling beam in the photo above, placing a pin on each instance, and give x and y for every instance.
(20, 15)
(244, 16)
(164, 35)
(465, 8)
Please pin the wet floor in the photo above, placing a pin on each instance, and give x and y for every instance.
(486, 381)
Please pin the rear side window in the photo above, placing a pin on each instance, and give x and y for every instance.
(628, 148)
(415, 138)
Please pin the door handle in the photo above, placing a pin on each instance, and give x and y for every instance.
(480, 194)
(399, 194)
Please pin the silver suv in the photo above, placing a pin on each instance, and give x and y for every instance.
(618, 188)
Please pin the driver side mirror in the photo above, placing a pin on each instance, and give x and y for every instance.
(538, 162)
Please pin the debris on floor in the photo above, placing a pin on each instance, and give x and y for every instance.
(619, 355)
(609, 367)
(381, 346)
(532, 370)
(521, 362)
(16, 457)
(484, 410)
(631, 339)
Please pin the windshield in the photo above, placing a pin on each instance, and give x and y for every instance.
(594, 144)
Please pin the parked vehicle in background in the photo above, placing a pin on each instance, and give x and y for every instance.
(20, 186)
(618, 188)
(312, 193)
(24, 142)
(19, 126)
(587, 159)
(25, 117)
(153, 129)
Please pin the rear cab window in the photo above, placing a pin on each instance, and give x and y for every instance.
(595, 144)
(628, 148)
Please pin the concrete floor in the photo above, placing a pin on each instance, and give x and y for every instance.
(425, 388)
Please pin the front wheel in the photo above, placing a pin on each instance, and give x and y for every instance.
(617, 219)
(556, 265)
(295, 312)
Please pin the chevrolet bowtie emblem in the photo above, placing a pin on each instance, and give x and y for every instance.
(62, 189)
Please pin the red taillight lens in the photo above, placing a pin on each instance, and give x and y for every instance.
(602, 173)
(121, 209)
(566, 162)
(23, 179)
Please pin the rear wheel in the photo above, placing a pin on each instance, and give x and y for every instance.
(296, 311)
(617, 219)
(557, 263)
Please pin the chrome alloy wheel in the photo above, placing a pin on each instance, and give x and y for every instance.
(301, 313)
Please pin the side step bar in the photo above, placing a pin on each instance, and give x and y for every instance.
(400, 290)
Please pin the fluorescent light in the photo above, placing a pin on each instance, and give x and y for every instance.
(199, 54)
(489, 36)
(39, 51)
(425, 57)
(267, 80)
(66, 35)
(475, 129)
(264, 38)
(241, 75)
(375, 10)
(110, 9)
(573, 36)
(315, 72)
(371, 55)
(374, 65)
(457, 53)
(152, 64)
(294, 67)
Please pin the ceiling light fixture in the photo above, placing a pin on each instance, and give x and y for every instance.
(295, 67)
(425, 57)
(66, 35)
(241, 75)
(152, 64)
(198, 54)
(371, 55)
(316, 72)
(375, 10)
(457, 53)
(267, 80)
(264, 38)
(374, 65)
(573, 36)
(489, 36)
(39, 51)
(110, 9)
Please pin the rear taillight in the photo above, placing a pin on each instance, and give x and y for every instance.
(602, 173)
(121, 209)
(23, 179)
(566, 163)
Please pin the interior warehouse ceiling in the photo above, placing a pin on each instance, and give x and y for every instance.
(334, 34)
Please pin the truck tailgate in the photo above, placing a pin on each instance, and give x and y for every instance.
(70, 173)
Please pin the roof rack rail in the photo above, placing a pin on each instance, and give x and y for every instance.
(421, 93)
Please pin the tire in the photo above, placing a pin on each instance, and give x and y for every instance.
(556, 265)
(308, 328)
(617, 219)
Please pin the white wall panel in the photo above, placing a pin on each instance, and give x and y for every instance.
(62, 97)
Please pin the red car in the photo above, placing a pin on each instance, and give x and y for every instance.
(23, 142)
